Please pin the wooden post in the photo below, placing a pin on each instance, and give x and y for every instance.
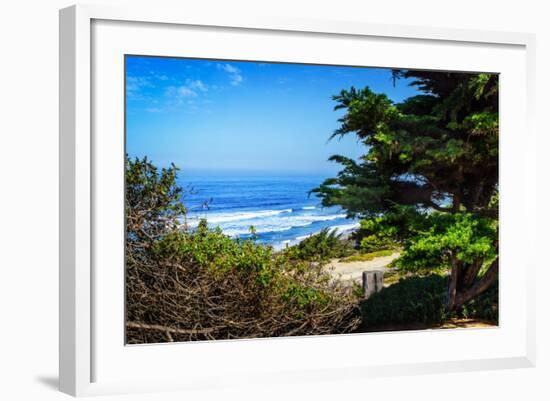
(373, 281)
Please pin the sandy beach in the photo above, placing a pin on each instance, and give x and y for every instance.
(353, 270)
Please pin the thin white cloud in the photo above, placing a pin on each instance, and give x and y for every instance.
(153, 110)
(135, 84)
(160, 77)
(236, 79)
(235, 75)
(196, 84)
(229, 68)
(180, 92)
(184, 91)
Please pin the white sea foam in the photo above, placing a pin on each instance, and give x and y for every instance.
(233, 232)
(269, 221)
(275, 223)
(220, 218)
(263, 221)
(340, 229)
(345, 227)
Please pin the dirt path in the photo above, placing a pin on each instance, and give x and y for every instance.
(448, 324)
(354, 270)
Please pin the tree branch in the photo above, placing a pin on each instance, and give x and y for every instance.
(452, 293)
(410, 193)
(435, 206)
(487, 212)
(166, 329)
(480, 286)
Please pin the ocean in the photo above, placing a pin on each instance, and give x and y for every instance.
(279, 208)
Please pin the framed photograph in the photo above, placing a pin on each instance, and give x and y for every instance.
(279, 200)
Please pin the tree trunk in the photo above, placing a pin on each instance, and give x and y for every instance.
(457, 299)
(456, 203)
(479, 286)
(451, 294)
(469, 274)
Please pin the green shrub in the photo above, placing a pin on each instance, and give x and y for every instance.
(422, 300)
(485, 306)
(386, 231)
(206, 285)
(184, 285)
(212, 249)
(365, 257)
(320, 247)
(465, 237)
(373, 243)
(411, 300)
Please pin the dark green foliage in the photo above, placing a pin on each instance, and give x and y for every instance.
(152, 199)
(325, 245)
(432, 147)
(422, 300)
(411, 300)
(152, 192)
(441, 239)
(428, 180)
(153, 205)
(485, 306)
(387, 231)
(430, 239)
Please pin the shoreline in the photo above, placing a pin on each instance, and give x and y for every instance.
(345, 233)
(226, 222)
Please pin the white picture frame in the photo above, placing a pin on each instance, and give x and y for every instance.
(90, 363)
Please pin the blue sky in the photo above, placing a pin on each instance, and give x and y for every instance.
(234, 117)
